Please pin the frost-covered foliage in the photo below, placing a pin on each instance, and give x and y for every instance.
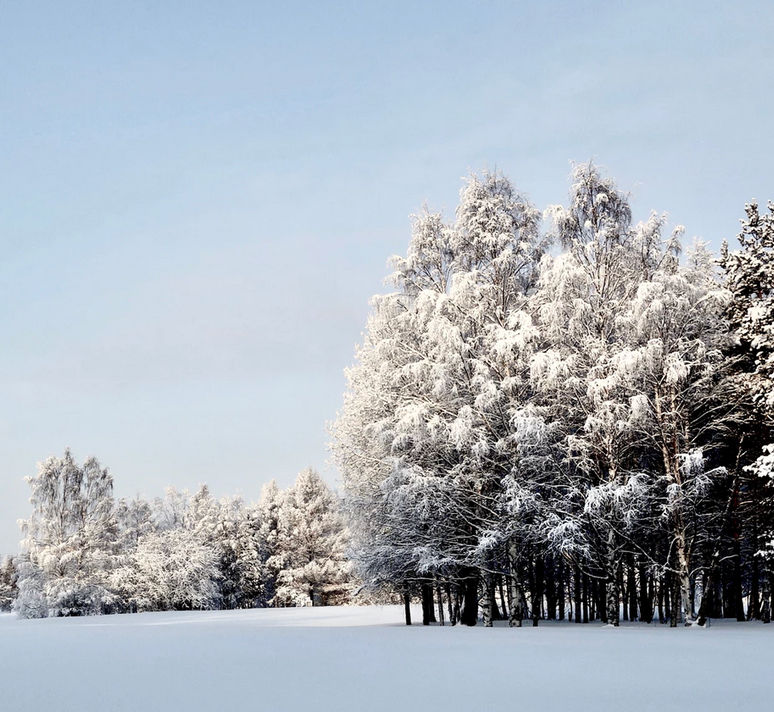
(70, 541)
(268, 512)
(423, 439)
(169, 570)
(763, 470)
(564, 420)
(173, 565)
(85, 553)
(750, 278)
(7, 583)
(311, 546)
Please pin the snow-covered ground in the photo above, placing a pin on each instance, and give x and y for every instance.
(364, 659)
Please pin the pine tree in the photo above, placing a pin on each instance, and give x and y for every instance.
(750, 278)
(237, 542)
(271, 557)
(8, 589)
(312, 540)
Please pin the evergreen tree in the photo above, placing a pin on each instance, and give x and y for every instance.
(270, 555)
(312, 540)
(8, 589)
(749, 274)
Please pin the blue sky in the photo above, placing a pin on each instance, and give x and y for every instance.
(199, 199)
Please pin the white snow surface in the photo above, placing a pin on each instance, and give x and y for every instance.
(364, 658)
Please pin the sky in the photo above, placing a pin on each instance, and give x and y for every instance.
(198, 199)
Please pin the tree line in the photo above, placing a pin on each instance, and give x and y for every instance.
(85, 553)
(566, 415)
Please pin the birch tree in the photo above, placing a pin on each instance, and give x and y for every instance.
(69, 540)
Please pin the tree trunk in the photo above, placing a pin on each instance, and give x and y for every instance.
(754, 611)
(550, 587)
(407, 605)
(674, 616)
(738, 602)
(439, 593)
(486, 604)
(537, 591)
(707, 597)
(726, 591)
(560, 588)
(646, 598)
(457, 604)
(624, 593)
(515, 594)
(632, 579)
(585, 598)
(503, 605)
(577, 593)
(766, 597)
(600, 599)
(469, 613)
(450, 603)
(613, 609)
(495, 610)
(661, 599)
(427, 604)
(684, 580)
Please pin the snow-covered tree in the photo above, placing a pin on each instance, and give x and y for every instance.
(571, 424)
(8, 587)
(749, 274)
(422, 435)
(169, 570)
(312, 542)
(385, 533)
(83, 553)
(750, 279)
(513, 416)
(170, 511)
(134, 518)
(268, 512)
(227, 529)
(69, 542)
(236, 539)
(581, 295)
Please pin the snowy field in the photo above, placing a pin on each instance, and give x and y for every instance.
(363, 658)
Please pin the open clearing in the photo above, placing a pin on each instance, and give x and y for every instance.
(363, 658)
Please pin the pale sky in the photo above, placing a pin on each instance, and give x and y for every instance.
(199, 199)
